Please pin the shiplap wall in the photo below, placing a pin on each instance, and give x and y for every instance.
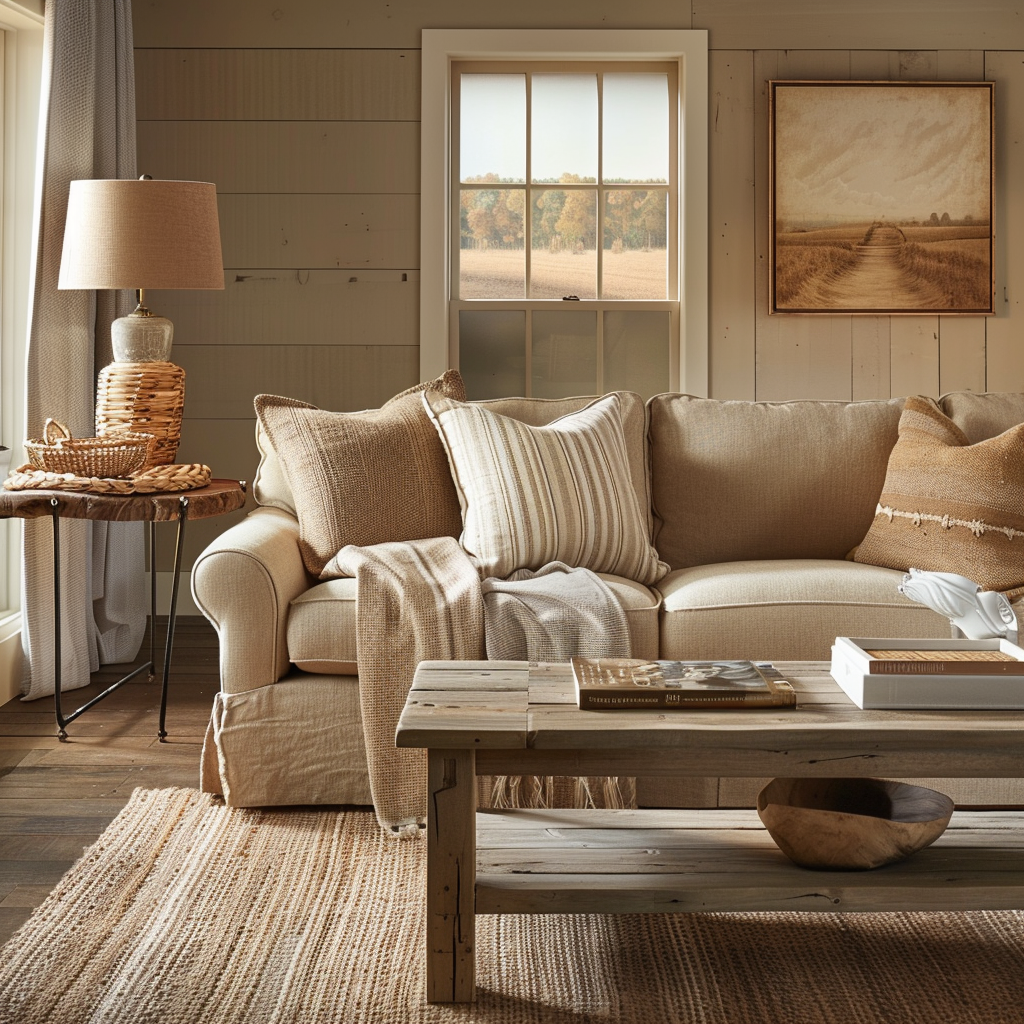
(306, 116)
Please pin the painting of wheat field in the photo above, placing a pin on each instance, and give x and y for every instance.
(881, 197)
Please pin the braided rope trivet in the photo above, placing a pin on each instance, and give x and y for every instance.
(182, 477)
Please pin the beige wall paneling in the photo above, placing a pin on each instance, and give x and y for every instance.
(918, 65)
(961, 66)
(731, 225)
(277, 85)
(285, 231)
(873, 65)
(396, 23)
(806, 24)
(914, 361)
(961, 353)
(285, 156)
(801, 356)
(223, 379)
(1005, 331)
(297, 307)
(871, 357)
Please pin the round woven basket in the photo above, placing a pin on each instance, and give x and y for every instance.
(59, 452)
(146, 397)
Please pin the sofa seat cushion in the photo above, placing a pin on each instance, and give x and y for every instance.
(322, 624)
(322, 628)
(785, 609)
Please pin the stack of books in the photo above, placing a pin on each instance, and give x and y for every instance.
(617, 684)
(936, 674)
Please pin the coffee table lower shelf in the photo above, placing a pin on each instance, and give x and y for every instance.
(650, 861)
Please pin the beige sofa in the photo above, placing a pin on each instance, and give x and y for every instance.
(753, 506)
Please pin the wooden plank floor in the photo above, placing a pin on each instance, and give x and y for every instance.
(56, 798)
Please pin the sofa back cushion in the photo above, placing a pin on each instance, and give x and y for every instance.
(735, 480)
(981, 416)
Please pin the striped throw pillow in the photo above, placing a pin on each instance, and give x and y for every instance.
(531, 495)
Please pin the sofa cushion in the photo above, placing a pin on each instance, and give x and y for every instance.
(322, 628)
(981, 416)
(363, 477)
(534, 495)
(322, 624)
(736, 480)
(784, 610)
(948, 505)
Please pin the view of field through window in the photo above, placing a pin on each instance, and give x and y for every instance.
(583, 190)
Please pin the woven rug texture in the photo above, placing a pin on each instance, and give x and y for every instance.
(187, 912)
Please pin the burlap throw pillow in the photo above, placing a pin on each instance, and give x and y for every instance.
(364, 477)
(538, 494)
(948, 505)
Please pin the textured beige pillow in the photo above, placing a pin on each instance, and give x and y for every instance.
(537, 494)
(364, 477)
(948, 505)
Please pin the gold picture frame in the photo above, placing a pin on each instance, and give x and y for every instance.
(881, 198)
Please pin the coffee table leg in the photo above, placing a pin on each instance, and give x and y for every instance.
(451, 876)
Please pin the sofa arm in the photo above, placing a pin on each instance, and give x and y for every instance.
(244, 583)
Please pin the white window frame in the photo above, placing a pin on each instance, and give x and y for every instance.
(21, 25)
(688, 48)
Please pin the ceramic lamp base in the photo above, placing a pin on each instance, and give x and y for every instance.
(143, 397)
(141, 338)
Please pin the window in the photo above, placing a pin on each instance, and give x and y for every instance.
(568, 252)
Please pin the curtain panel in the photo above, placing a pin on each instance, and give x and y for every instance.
(87, 130)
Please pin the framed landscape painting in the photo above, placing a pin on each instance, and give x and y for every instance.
(881, 197)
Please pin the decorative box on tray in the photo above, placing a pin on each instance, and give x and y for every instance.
(922, 674)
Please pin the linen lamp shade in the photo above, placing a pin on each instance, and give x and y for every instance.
(142, 234)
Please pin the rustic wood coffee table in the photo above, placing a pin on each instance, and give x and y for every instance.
(511, 718)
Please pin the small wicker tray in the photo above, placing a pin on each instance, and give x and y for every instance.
(181, 477)
(118, 455)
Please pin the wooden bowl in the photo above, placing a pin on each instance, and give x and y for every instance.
(851, 824)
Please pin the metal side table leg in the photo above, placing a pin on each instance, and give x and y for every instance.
(179, 545)
(55, 523)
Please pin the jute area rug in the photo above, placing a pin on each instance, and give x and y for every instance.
(187, 911)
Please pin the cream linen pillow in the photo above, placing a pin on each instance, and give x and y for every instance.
(363, 477)
(532, 495)
(948, 505)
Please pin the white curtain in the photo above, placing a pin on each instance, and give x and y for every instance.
(87, 130)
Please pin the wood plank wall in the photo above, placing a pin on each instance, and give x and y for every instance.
(306, 115)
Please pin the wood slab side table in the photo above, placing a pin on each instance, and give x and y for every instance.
(216, 498)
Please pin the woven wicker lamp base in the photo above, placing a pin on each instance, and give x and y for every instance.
(143, 397)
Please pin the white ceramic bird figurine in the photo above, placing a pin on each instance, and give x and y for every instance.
(978, 614)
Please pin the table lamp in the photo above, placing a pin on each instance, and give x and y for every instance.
(142, 234)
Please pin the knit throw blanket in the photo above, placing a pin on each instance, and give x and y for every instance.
(424, 601)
